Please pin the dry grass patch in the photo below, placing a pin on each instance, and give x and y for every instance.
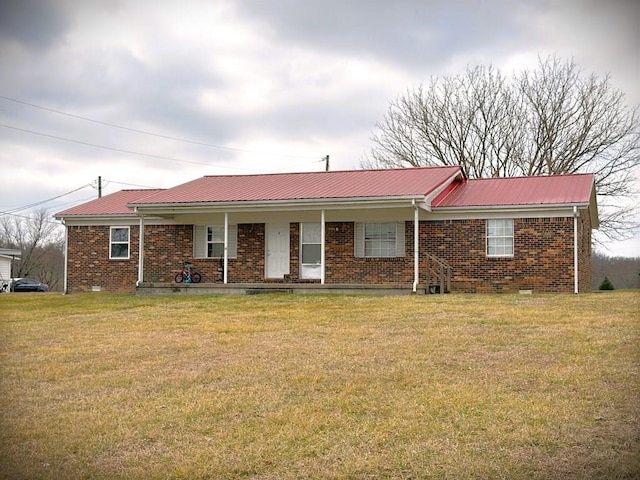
(288, 386)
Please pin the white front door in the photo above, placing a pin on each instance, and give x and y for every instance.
(277, 247)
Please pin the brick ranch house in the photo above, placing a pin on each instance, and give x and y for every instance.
(420, 230)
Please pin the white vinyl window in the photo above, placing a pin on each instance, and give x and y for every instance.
(119, 243)
(215, 241)
(209, 241)
(310, 250)
(378, 240)
(500, 238)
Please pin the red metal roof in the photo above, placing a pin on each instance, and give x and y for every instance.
(315, 185)
(541, 190)
(112, 204)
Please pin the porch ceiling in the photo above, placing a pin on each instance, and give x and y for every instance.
(399, 212)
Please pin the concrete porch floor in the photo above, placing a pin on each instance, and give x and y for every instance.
(257, 288)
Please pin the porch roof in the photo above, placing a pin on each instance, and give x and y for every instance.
(338, 185)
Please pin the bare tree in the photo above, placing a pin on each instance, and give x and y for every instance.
(38, 237)
(551, 120)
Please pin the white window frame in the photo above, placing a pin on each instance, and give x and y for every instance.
(113, 242)
(499, 237)
(310, 270)
(212, 240)
(362, 230)
(201, 241)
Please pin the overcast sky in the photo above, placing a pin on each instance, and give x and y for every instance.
(253, 86)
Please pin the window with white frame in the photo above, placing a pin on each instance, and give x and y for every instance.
(215, 241)
(209, 241)
(378, 240)
(500, 238)
(119, 243)
(310, 250)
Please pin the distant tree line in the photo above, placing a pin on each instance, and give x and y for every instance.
(622, 272)
(41, 244)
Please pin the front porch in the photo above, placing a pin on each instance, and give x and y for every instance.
(148, 288)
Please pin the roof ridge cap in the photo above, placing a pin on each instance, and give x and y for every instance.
(533, 176)
(356, 170)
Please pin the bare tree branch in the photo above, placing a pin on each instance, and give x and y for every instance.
(547, 121)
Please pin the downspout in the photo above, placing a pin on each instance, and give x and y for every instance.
(225, 262)
(416, 246)
(322, 240)
(575, 249)
(66, 257)
(140, 252)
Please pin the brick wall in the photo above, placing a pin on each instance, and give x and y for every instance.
(166, 248)
(89, 264)
(542, 261)
(341, 266)
(249, 266)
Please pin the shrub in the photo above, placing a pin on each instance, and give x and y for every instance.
(606, 284)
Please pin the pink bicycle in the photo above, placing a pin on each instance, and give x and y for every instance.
(188, 275)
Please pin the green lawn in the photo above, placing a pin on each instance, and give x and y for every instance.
(295, 386)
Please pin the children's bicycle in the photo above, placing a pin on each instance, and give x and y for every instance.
(188, 275)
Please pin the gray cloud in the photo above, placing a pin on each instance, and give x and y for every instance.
(35, 24)
(281, 76)
(404, 32)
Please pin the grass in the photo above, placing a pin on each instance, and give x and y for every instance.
(333, 387)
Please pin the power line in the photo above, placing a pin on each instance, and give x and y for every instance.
(13, 210)
(130, 184)
(120, 150)
(144, 132)
(27, 217)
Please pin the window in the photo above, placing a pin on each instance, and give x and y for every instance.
(311, 246)
(215, 241)
(500, 238)
(209, 241)
(119, 243)
(311, 250)
(379, 240)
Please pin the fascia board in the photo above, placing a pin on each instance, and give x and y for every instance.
(518, 211)
(95, 220)
(593, 210)
(277, 205)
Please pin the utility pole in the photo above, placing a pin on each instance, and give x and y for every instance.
(99, 187)
(326, 163)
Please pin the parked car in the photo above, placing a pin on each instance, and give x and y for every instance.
(28, 285)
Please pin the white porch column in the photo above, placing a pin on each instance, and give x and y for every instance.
(141, 252)
(416, 247)
(575, 249)
(66, 258)
(322, 241)
(225, 262)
